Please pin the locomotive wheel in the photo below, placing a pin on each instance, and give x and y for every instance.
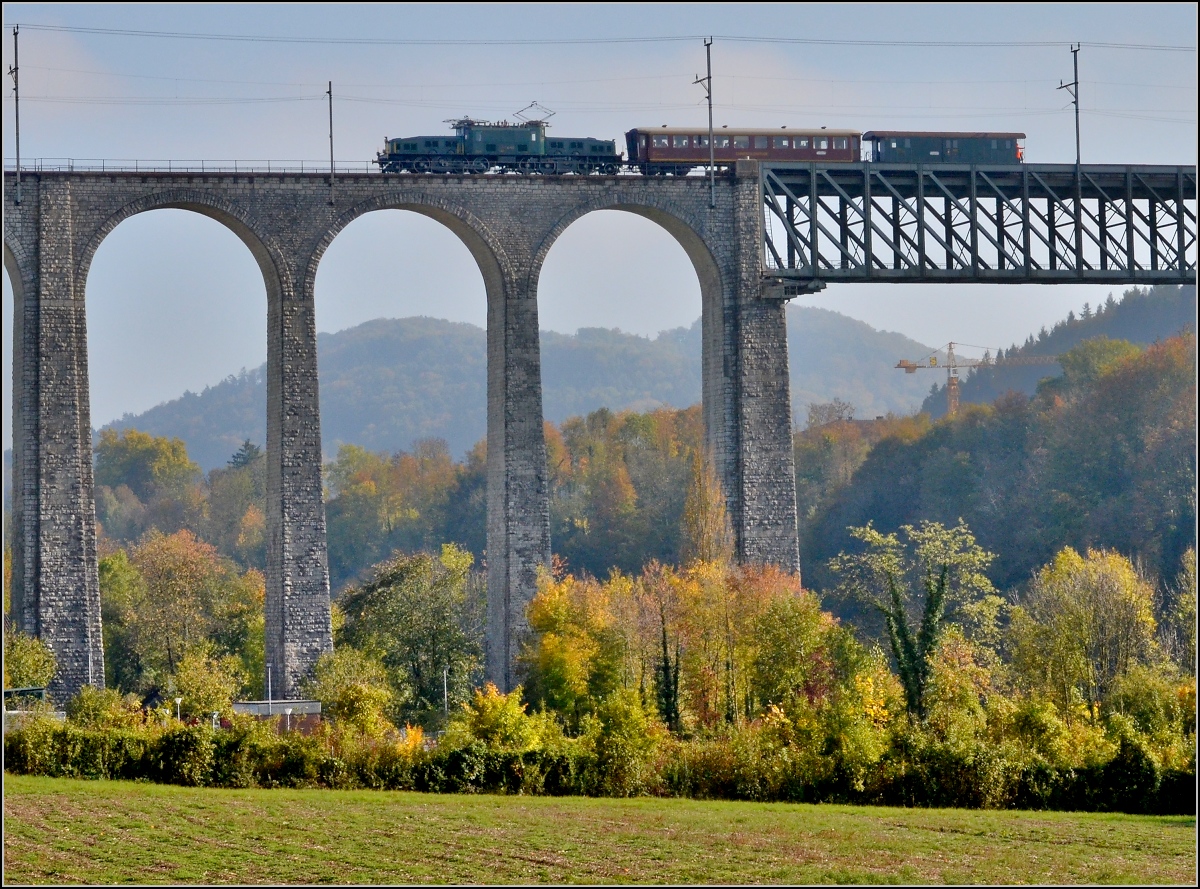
(421, 166)
(609, 170)
(480, 165)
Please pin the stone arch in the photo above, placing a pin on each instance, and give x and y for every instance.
(689, 231)
(678, 222)
(267, 254)
(16, 263)
(24, 548)
(490, 257)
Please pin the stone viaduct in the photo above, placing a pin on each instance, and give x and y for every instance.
(287, 221)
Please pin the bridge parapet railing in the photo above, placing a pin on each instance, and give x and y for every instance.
(1020, 223)
(127, 165)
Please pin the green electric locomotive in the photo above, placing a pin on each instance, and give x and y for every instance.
(480, 146)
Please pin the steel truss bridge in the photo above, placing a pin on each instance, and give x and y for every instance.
(1018, 224)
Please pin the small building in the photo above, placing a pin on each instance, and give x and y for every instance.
(296, 716)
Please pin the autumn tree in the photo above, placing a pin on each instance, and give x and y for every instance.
(235, 515)
(144, 481)
(917, 587)
(354, 688)
(574, 657)
(1085, 622)
(421, 616)
(172, 594)
(28, 662)
(207, 681)
(707, 535)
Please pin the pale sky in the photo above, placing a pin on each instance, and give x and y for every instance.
(175, 301)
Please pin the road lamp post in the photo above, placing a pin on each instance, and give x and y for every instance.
(288, 712)
(178, 701)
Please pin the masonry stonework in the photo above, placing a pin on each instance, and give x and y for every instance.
(509, 224)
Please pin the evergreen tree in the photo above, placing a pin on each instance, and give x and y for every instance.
(246, 454)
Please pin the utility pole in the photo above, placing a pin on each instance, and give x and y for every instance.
(706, 82)
(330, 94)
(13, 68)
(1073, 89)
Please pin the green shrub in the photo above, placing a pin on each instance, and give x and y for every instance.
(624, 742)
(103, 708)
(184, 755)
(1130, 780)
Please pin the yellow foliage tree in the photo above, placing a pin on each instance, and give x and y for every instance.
(1084, 623)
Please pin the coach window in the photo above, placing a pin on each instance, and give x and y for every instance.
(760, 141)
(841, 143)
(680, 142)
(741, 141)
(722, 142)
(780, 142)
(800, 143)
(821, 143)
(701, 141)
(661, 142)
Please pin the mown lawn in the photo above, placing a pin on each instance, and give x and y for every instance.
(70, 831)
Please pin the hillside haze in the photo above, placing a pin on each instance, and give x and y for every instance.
(390, 382)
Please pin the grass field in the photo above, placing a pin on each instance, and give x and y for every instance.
(69, 831)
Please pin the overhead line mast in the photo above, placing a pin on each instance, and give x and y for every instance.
(13, 70)
(706, 82)
(1073, 89)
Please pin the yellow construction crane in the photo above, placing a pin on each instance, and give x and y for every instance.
(954, 362)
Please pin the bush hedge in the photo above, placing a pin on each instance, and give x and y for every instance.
(915, 771)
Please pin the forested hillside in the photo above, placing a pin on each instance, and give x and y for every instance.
(1139, 316)
(1103, 456)
(389, 383)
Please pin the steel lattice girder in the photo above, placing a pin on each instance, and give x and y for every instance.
(1025, 223)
